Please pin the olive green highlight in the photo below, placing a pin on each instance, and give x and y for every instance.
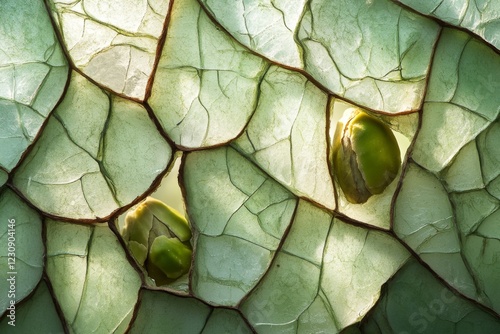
(365, 155)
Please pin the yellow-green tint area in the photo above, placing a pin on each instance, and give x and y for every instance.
(89, 271)
(365, 155)
(98, 152)
(33, 73)
(376, 210)
(113, 42)
(22, 252)
(377, 150)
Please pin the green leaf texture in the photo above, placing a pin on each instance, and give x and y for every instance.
(227, 110)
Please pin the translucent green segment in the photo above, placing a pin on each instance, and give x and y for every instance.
(161, 312)
(138, 223)
(21, 242)
(92, 279)
(206, 86)
(376, 150)
(375, 53)
(112, 42)
(158, 238)
(97, 153)
(38, 312)
(171, 256)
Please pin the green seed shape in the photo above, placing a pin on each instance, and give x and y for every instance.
(365, 155)
(171, 256)
(158, 237)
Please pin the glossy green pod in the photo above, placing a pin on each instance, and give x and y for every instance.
(365, 155)
(171, 256)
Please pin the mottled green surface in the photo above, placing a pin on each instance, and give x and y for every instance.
(99, 98)
(163, 313)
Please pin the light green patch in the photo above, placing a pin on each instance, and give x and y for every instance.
(98, 152)
(89, 271)
(33, 73)
(206, 87)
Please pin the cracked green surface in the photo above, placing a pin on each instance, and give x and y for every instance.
(389, 47)
(480, 17)
(241, 236)
(285, 136)
(39, 312)
(33, 72)
(77, 161)
(99, 98)
(76, 255)
(184, 315)
(439, 309)
(112, 42)
(204, 98)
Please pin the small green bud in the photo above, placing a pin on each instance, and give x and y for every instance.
(170, 217)
(365, 155)
(158, 237)
(171, 256)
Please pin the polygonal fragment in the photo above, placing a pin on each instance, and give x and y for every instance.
(22, 252)
(89, 271)
(286, 135)
(98, 152)
(206, 86)
(33, 73)
(113, 42)
(240, 214)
